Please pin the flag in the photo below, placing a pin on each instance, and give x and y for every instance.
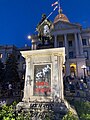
(55, 8)
(55, 3)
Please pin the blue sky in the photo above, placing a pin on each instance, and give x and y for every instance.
(19, 18)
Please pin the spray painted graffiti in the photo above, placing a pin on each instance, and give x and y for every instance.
(42, 80)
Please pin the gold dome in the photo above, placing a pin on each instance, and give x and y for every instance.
(61, 17)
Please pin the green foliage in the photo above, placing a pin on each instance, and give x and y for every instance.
(70, 116)
(83, 110)
(23, 116)
(85, 117)
(7, 113)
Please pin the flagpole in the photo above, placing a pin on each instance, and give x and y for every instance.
(59, 6)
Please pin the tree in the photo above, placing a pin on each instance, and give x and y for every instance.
(11, 70)
(1, 71)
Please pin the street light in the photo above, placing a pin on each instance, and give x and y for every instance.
(84, 68)
(29, 37)
(33, 39)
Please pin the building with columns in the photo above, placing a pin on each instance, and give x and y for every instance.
(68, 35)
(76, 41)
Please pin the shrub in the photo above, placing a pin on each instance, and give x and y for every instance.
(70, 116)
(83, 109)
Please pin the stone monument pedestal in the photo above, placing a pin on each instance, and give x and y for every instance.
(43, 89)
(43, 79)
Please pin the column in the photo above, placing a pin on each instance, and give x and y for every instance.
(55, 41)
(67, 55)
(66, 45)
(76, 45)
(80, 44)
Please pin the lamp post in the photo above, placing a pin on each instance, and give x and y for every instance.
(84, 68)
(29, 38)
(34, 40)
